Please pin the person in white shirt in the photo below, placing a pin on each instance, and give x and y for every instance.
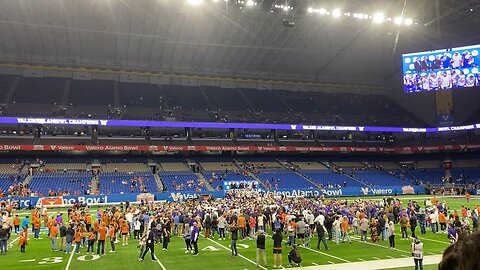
(433, 222)
(337, 228)
(417, 253)
(129, 218)
(457, 60)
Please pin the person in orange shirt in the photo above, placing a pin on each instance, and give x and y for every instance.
(91, 240)
(88, 222)
(23, 239)
(124, 229)
(442, 219)
(77, 239)
(16, 224)
(36, 227)
(102, 236)
(467, 196)
(345, 228)
(242, 226)
(112, 235)
(53, 233)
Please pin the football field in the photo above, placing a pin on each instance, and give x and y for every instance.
(215, 253)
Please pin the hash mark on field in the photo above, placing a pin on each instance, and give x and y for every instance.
(360, 259)
(431, 253)
(391, 257)
(314, 263)
(376, 258)
(330, 262)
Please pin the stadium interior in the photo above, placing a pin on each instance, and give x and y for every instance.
(294, 62)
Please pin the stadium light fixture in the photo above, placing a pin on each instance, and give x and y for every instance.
(310, 10)
(378, 18)
(195, 2)
(408, 21)
(251, 3)
(398, 20)
(322, 11)
(336, 13)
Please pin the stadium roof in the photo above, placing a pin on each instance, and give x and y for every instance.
(231, 39)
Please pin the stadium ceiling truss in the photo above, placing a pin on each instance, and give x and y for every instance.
(171, 36)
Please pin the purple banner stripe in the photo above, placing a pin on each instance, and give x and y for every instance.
(214, 125)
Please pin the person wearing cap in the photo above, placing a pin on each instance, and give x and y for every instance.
(260, 238)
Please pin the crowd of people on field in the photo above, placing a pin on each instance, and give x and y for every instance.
(243, 214)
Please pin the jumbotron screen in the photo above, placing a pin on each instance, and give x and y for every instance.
(441, 69)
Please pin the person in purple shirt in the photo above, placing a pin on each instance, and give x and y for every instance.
(59, 220)
(194, 238)
(452, 234)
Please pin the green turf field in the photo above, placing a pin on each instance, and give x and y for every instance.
(215, 254)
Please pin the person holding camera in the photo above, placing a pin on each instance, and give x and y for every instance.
(417, 253)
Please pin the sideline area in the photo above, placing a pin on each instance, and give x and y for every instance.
(377, 265)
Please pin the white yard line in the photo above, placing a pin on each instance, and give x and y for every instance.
(376, 258)
(433, 240)
(239, 255)
(360, 259)
(69, 261)
(326, 254)
(159, 263)
(330, 262)
(377, 245)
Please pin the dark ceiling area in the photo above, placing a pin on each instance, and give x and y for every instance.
(232, 39)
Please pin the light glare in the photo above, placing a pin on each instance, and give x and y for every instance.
(336, 13)
(194, 2)
(378, 18)
(408, 21)
(398, 20)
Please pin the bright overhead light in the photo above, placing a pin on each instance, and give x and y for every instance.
(310, 10)
(378, 18)
(194, 2)
(215, 1)
(251, 3)
(408, 21)
(285, 8)
(322, 11)
(365, 16)
(398, 20)
(336, 13)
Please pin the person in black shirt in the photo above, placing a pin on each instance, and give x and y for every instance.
(150, 246)
(234, 231)
(166, 229)
(63, 235)
(294, 256)
(260, 235)
(321, 236)
(277, 248)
